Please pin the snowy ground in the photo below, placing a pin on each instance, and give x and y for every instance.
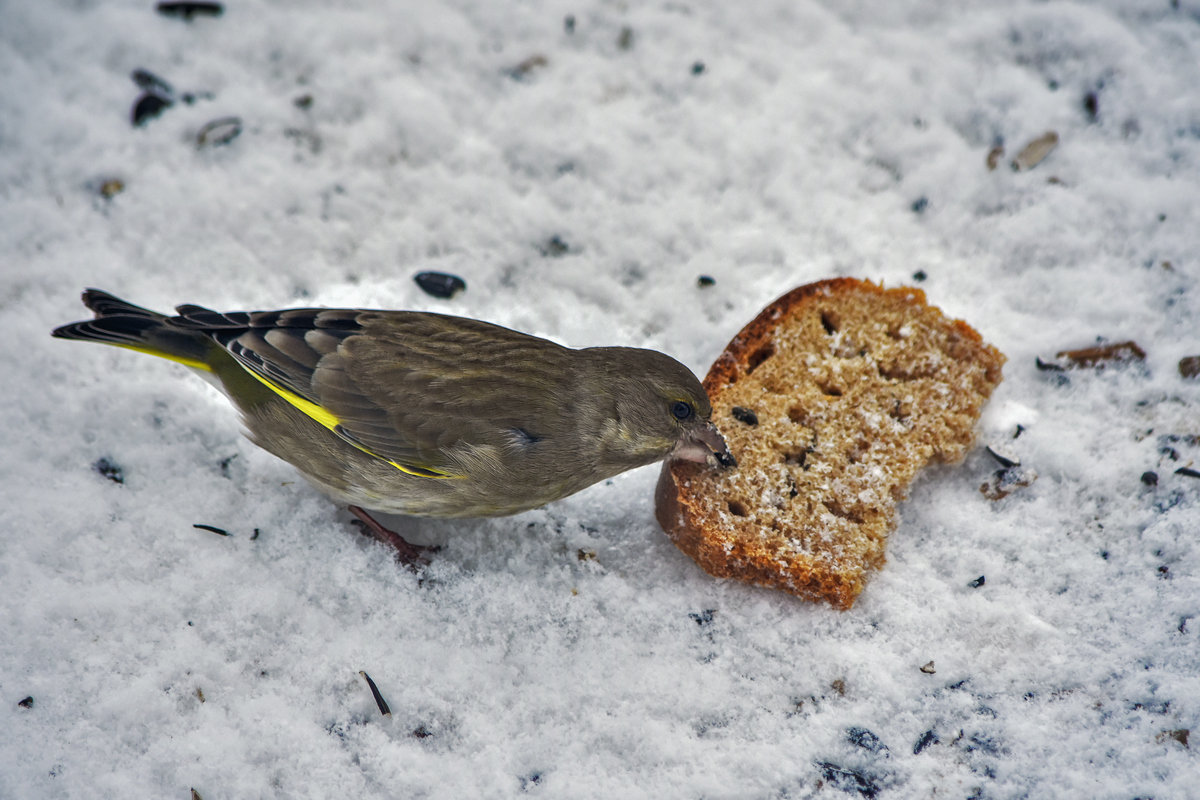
(580, 194)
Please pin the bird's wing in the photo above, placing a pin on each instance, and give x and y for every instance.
(412, 388)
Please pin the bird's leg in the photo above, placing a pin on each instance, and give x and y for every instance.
(407, 552)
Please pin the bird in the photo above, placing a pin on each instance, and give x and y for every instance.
(426, 414)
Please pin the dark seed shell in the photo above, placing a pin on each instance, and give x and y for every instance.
(1005, 456)
(744, 415)
(193, 8)
(109, 469)
(927, 738)
(148, 81)
(218, 132)
(147, 107)
(379, 701)
(440, 284)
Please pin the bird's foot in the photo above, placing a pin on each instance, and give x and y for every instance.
(407, 553)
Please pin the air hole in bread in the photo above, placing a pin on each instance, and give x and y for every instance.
(838, 510)
(737, 508)
(799, 416)
(796, 458)
(759, 356)
(830, 322)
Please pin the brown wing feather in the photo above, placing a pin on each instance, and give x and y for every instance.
(419, 388)
(416, 388)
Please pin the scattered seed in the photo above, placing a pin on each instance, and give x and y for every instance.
(1004, 482)
(148, 81)
(421, 732)
(26, 702)
(1091, 105)
(1150, 478)
(523, 69)
(1003, 454)
(1189, 366)
(554, 247)
(440, 284)
(625, 39)
(111, 188)
(1188, 472)
(569, 24)
(744, 415)
(254, 535)
(109, 469)
(303, 101)
(975, 584)
(210, 528)
(147, 107)
(928, 669)
(585, 555)
(187, 10)
(219, 132)
(920, 204)
(867, 740)
(839, 686)
(704, 281)
(379, 701)
(199, 694)
(847, 780)
(927, 738)
(698, 68)
(1035, 152)
(191, 97)
(704, 617)
(919, 275)
(993, 157)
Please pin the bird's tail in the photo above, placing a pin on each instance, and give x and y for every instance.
(123, 324)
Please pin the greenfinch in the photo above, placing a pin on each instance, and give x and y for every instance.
(426, 414)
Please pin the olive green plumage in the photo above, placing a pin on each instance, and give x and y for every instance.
(427, 414)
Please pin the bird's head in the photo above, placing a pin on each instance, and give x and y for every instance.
(658, 410)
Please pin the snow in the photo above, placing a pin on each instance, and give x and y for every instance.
(818, 139)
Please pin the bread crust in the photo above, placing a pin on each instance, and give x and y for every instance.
(833, 562)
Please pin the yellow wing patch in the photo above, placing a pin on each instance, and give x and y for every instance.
(187, 362)
(330, 421)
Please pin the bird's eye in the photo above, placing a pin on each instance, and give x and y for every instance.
(682, 410)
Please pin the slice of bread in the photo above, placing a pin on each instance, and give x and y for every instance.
(831, 401)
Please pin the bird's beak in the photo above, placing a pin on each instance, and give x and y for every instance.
(700, 444)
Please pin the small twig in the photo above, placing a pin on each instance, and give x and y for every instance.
(211, 528)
